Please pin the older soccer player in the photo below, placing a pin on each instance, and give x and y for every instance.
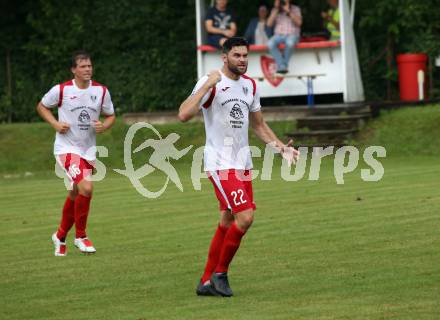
(80, 103)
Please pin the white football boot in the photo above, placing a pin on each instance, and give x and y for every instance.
(84, 245)
(60, 247)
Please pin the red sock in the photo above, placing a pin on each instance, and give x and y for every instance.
(82, 205)
(214, 252)
(230, 247)
(67, 219)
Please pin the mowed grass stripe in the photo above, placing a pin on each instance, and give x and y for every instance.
(314, 252)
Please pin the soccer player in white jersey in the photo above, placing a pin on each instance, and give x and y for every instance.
(80, 103)
(229, 101)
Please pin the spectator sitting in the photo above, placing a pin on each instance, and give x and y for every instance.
(287, 19)
(257, 31)
(220, 24)
(331, 20)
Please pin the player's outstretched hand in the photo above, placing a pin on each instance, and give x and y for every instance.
(62, 127)
(99, 127)
(290, 153)
(213, 77)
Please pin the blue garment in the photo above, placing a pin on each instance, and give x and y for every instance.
(282, 60)
(221, 20)
(250, 30)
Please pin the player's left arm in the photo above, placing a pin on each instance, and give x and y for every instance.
(265, 133)
(108, 113)
(108, 122)
(258, 124)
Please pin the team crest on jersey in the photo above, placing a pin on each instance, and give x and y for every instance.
(245, 90)
(84, 117)
(236, 112)
(93, 98)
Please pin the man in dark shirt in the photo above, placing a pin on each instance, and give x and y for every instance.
(220, 24)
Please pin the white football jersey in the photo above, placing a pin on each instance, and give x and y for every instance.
(226, 110)
(79, 108)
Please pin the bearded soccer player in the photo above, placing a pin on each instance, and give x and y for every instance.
(229, 101)
(80, 103)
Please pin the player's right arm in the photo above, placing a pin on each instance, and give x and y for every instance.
(47, 116)
(190, 107)
(50, 100)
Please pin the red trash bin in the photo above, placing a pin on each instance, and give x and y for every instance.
(408, 66)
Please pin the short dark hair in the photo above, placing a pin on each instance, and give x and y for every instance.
(79, 55)
(234, 42)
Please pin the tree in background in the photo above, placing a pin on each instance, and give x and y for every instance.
(12, 36)
(146, 50)
(391, 27)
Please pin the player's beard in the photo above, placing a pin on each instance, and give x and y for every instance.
(235, 70)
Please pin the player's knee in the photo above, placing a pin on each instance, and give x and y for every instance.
(245, 219)
(86, 188)
(248, 220)
(226, 223)
(226, 219)
(73, 193)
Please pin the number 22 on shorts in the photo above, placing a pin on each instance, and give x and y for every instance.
(238, 197)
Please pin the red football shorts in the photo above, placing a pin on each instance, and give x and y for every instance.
(75, 167)
(233, 189)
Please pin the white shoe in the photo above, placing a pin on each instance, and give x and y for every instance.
(84, 245)
(60, 247)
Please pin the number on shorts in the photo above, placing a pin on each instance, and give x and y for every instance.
(239, 194)
(74, 170)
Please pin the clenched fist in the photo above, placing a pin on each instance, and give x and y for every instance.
(61, 127)
(213, 78)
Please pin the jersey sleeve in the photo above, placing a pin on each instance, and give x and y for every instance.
(107, 105)
(199, 84)
(256, 105)
(52, 97)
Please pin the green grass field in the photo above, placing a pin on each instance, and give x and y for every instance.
(317, 250)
